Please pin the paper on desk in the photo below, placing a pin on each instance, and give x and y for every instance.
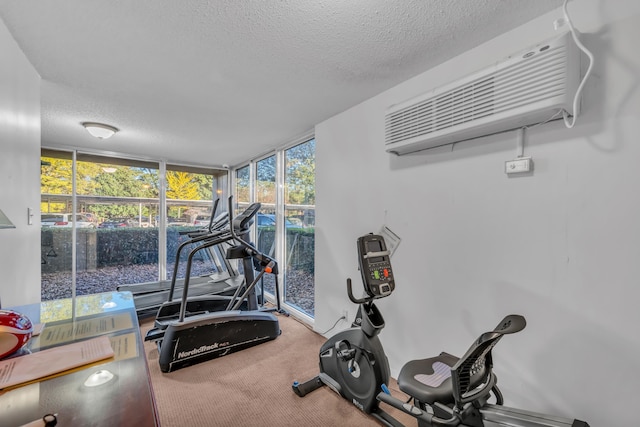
(55, 334)
(53, 361)
(124, 346)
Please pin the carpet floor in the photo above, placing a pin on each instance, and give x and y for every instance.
(253, 387)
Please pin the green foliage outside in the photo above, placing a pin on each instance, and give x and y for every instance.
(300, 246)
(266, 182)
(300, 169)
(242, 185)
(99, 179)
(300, 172)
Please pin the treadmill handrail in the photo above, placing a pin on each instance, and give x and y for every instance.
(214, 239)
(219, 236)
(185, 290)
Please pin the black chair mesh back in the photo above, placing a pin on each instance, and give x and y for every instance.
(471, 376)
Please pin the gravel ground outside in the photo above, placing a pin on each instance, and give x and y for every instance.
(299, 284)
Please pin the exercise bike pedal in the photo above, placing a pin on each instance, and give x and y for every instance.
(307, 386)
(346, 355)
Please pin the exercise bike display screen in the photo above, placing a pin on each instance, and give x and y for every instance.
(374, 246)
(375, 265)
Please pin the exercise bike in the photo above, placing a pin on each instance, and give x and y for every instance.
(444, 390)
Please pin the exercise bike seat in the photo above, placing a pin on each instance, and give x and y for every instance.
(448, 379)
(429, 380)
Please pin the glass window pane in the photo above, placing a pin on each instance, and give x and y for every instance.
(266, 218)
(55, 240)
(121, 196)
(116, 238)
(299, 186)
(191, 193)
(243, 189)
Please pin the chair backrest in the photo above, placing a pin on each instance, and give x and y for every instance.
(477, 361)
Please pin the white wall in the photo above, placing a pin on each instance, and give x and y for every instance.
(561, 247)
(19, 174)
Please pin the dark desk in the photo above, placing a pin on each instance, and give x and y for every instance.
(125, 400)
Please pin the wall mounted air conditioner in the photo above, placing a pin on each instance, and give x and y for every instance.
(526, 88)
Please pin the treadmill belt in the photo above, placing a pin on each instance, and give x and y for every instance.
(147, 301)
(164, 285)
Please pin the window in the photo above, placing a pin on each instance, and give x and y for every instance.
(116, 239)
(191, 193)
(56, 243)
(299, 208)
(285, 182)
(243, 189)
(266, 219)
(108, 233)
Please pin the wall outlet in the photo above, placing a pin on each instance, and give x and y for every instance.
(519, 165)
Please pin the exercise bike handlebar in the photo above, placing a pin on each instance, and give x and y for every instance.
(359, 300)
(352, 297)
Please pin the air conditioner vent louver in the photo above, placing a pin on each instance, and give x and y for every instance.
(526, 88)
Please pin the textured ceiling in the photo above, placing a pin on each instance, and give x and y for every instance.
(220, 82)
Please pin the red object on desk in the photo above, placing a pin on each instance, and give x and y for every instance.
(15, 332)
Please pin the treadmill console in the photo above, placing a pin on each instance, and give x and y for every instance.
(243, 221)
(375, 266)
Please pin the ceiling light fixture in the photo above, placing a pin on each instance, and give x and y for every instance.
(100, 130)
